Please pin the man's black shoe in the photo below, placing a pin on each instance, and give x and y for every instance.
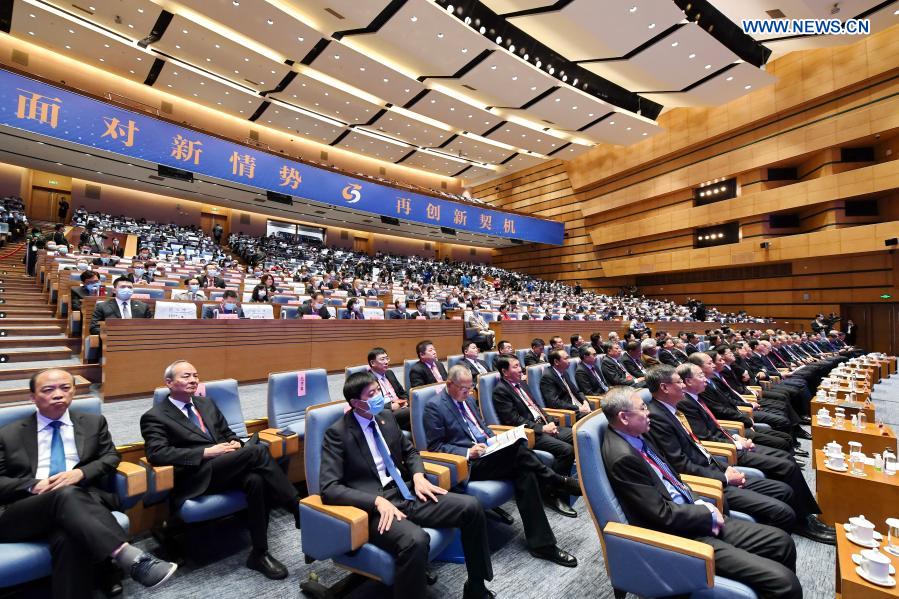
(800, 452)
(801, 433)
(553, 554)
(814, 535)
(560, 507)
(814, 523)
(570, 486)
(805, 420)
(268, 565)
(485, 593)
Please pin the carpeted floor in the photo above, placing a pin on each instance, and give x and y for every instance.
(218, 551)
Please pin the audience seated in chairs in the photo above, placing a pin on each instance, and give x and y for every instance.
(190, 433)
(557, 388)
(228, 307)
(354, 307)
(428, 370)
(120, 306)
(379, 364)
(453, 425)
(315, 307)
(53, 493)
(588, 374)
(653, 496)
(536, 354)
(399, 499)
(193, 292)
(90, 286)
(470, 359)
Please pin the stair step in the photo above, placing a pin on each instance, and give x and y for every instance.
(19, 355)
(58, 340)
(16, 390)
(33, 320)
(29, 331)
(30, 312)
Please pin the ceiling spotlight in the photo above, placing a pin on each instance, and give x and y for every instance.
(235, 2)
(747, 87)
(270, 21)
(512, 48)
(632, 9)
(692, 56)
(525, 57)
(730, 78)
(413, 18)
(651, 26)
(675, 44)
(551, 70)
(708, 66)
(482, 30)
(449, 8)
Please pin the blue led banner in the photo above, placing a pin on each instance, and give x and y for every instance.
(41, 108)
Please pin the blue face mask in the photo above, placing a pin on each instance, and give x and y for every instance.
(376, 404)
(124, 293)
(93, 287)
(229, 307)
(194, 288)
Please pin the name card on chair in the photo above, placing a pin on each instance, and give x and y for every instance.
(373, 313)
(175, 310)
(311, 317)
(226, 316)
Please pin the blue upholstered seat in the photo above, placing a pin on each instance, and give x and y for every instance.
(287, 406)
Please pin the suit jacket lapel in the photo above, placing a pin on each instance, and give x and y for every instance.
(205, 409)
(178, 416)
(29, 441)
(80, 437)
(115, 307)
(451, 405)
(362, 445)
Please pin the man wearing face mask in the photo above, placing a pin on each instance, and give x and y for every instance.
(121, 306)
(399, 311)
(227, 306)
(104, 259)
(211, 278)
(396, 494)
(193, 292)
(314, 307)
(90, 286)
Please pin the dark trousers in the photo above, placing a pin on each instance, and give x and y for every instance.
(79, 529)
(767, 501)
(521, 465)
(761, 557)
(561, 448)
(773, 439)
(252, 470)
(776, 421)
(403, 418)
(784, 470)
(409, 544)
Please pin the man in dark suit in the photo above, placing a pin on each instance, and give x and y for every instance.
(368, 463)
(211, 278)
(588, 374)
(557, 388)
(228, 306)
(53, 467)
(633, 363)
(667, 354)
(471, 360)
(514, 406)
(453, 425)
(653, 496)
(191, 434)
(120, 306)
(379, 364)
(420, 311)
(428, 370)
(612, 370)
(314, 307)
(774, 463)
(104, 259)
(399, 311)
(577, 342)
(692, 344)
(90, 286)
(535, 355)
(767, 501)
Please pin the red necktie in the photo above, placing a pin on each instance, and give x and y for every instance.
(715, 420)
(530, 404)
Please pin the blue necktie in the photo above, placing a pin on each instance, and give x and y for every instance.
(667, 474)
(194, 420)
(389, 465)
(475, 434)
(57, 450)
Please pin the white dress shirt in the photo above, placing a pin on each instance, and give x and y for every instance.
(124, 308)
(365, 423)
(44, 439)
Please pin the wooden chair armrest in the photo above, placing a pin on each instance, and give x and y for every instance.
(459, 462)
(76, 315)
(165, 475)
(135, 478)
(715, 496)
(290, 445)
(442, 473)
(356, 519)
(501, 428)
(746, 409)
(566, 417)
(666, 541)
(754, 387)
(702, 481)
(594, 401)
(734, 425)
(724, 450)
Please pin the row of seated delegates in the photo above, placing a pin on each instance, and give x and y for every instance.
(401, 312)
(652, 495)
(55, 494)
(119, 306)
(189, 432)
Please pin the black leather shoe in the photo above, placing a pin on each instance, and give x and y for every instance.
(800, 452)
(553, 554)
(557, 505)
(805, 420)
(468, 593)
(814, 523)
(801, 433)
(570, 486)
(430, 577)
(268, 565)
(814, 535)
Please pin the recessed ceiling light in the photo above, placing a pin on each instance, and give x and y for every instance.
(440, 36)
(533, 88)
(692, 56)
(270, 21)
(651, 26)
(551, 70)
(574, 107)
(32, 15)
(558, 99)
(406, 90)
(645, 134)
(131, 71)
(730, 78)
(747, 87)
(632, 9)
(337, 57)
(675, 44)
(611, 122)
(32, 33)
(515, 78)
(464, 50)
(386, 80)
(139, 58)
(591, 114)
(362, 69)
(482, 30)
(184, 31)
(499, 40)
(413, 19)
(246, 59)
(92, 8)
(301, 39)
(71, 31)
(629, 128)
(708, 66)
(235, 2)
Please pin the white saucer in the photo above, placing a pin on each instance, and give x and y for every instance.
(848, 528)
(891, 551)
(819, 423)
(868, 544)
(845, 467)
(857, 560)
(889, 582)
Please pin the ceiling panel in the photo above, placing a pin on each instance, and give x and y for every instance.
(477, 174)
(285, 119)
(740, 80)
(410, 130)
(363, 72)
(479, 151)
(685, 56)
(328, 16)
(419, 25)
(584, 30)
(202, 89)
(373, 148)
(455, 112)
(133, 19)
(435, 164)
(56, 33)
(522, 161)
(261, 21)
(507, 6)
(566, 109)
(571, 152)
(502, 80)
(324, 99)
(213, 52)
(621, 129)
(523, 137)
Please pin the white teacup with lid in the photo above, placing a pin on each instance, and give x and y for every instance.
(862, 528)
(875, 564)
